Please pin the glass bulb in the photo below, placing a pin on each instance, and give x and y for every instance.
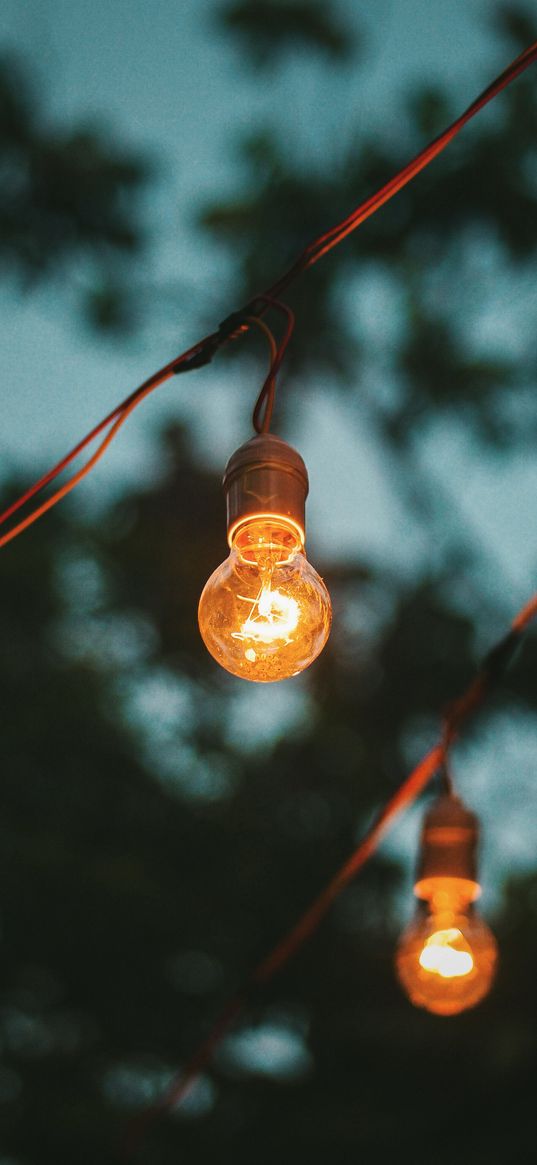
(447, 956)
(265, 613)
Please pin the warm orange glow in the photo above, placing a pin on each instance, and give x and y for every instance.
(278, 522)
(272, 616)
(447, 956)
(265, 614)
(442, 956)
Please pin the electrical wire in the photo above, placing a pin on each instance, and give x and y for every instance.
(340, 230)
(191, 358)
(446, 776)
(266, 396)
(492, 669)
(233, 325)
(525, 616)
(77, 477)
(264, 405)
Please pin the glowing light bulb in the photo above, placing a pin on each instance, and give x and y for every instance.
(265, 613)
(446, 958)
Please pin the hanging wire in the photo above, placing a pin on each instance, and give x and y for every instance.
(194, 357)
(489, 673)
(324, 243)
(233, 325)
(266, 396)
(446, 773)
(77, 477)
(264, 405)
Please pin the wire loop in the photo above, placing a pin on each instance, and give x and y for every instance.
(261, 423)
(264, 405)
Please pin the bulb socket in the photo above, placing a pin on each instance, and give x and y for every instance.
(448, 845)
(265, 477)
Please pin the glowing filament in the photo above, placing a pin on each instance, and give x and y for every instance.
(441, 958)
(273, 616)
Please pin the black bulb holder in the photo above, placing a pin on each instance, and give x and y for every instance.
(265, 477)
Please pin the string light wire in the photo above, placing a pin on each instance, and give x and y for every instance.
(492, 669)
(203, 352)
(193, 357)
(337, 233)
(264, 405)
(81, 473)
(268, 391)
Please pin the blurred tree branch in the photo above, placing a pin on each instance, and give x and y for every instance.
(67, 196)
(272, 28)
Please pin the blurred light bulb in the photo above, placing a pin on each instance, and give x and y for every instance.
(446, 958)
(265, 613)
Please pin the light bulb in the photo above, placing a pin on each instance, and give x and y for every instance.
(446, 958)
(265, 613)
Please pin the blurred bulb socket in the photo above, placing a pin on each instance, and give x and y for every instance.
(265, 477)
(448, 845)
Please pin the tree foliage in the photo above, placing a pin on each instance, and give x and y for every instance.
(270, 28)
(68, 201)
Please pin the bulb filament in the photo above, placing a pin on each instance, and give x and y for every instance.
(441, 958)
(272, 617)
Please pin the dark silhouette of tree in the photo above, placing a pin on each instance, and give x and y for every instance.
(270, 28)
(68, 202)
